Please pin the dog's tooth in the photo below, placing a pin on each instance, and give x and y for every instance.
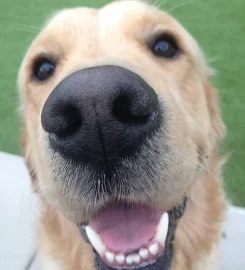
(129, 259)
(95, 240)
(162, 229)
(120, 258)
(136, 258)
(143, 252)
(153, 248)
(109, 256)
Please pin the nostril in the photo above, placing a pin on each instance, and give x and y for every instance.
(63, 121)
(71, 121)
(123, 111)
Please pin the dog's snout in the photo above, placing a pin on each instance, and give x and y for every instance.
(99, 115)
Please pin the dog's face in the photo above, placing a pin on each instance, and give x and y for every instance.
(119, 119)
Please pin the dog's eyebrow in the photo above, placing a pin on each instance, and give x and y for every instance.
(44, 54)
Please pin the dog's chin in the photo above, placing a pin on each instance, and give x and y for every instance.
(131, 236)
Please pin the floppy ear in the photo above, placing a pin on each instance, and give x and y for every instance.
(214, 111)
(28, 161)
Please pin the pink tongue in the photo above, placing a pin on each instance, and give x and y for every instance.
(126, 227)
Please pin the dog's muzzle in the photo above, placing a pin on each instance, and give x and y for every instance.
(99, 115)
(98, 118)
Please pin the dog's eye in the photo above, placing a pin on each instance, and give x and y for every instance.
(43, 69)
(165, 46)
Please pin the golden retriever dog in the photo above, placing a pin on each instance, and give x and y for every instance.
(120, 134)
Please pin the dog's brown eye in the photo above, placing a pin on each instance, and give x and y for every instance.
(43, 69)
(165, 46)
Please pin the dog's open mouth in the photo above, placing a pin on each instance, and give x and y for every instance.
(128, 236)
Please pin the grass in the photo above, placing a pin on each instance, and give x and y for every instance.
(219, 27)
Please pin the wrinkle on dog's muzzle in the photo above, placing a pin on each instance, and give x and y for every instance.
(99, 115)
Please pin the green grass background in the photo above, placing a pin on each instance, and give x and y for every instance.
(218, 25)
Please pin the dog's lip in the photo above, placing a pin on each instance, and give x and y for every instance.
(153, 249)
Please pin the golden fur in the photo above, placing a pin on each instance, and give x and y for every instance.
(111, 37)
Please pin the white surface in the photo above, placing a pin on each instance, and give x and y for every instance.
(35, 265)
(233, 245)
(18, 212)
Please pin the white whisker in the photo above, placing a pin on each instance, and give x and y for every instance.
(180, 5)
(214, 59)
(159, 3)
(12, 26)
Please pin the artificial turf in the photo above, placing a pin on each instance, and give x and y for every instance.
(218, 25)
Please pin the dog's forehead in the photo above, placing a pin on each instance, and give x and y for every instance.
(117, 20)
(115, 29)
(136, 13)
(116, 16)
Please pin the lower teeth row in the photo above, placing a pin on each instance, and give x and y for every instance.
(142, 255)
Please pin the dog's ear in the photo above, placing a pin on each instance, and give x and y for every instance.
(214, 111)
(28, 161)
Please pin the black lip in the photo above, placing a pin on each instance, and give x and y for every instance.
(164, 261)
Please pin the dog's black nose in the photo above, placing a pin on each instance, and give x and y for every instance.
(100, 115)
